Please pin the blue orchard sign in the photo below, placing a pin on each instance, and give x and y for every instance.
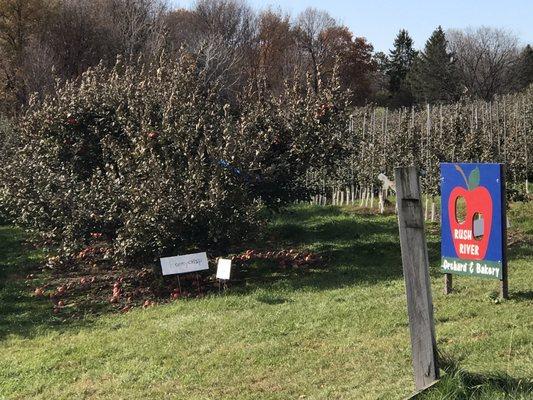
(473, 218)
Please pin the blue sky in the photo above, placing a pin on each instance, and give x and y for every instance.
(380, 20)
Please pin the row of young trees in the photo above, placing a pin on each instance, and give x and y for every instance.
(380, 139)
(42, 41)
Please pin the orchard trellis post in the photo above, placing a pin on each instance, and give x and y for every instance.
(376, 139)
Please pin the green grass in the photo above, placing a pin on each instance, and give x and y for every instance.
(338, 331)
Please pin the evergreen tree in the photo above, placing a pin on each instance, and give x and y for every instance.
(382, 61)
(434, 75)
(400, 62)
(381, 95)
(525, 68)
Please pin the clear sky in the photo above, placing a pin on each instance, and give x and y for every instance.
(380, 20)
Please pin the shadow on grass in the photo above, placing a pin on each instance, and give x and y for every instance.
(268, 298)
(522, 296)
(355, 248)
(22, 314)
(301, 213)
(309, 225)
(458, 384)
(520, 250)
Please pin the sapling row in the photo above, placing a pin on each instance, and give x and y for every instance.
(378, 139)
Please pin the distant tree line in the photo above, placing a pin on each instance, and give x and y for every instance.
(43, 42)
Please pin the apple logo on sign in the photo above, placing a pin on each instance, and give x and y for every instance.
(470, 235)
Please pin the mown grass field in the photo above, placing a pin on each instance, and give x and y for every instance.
(335, 332)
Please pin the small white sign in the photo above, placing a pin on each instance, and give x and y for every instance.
(224, 269)
(184, 264)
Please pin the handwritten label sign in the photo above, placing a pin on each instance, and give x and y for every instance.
(184, 264)
(472, 220)
(224, 269)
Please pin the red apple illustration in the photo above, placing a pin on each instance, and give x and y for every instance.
(478, 201)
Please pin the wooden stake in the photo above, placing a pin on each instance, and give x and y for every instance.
(198, 282)
(448, 283)
(347, 192)
(504, 283)
(223, 283)
(416, 274)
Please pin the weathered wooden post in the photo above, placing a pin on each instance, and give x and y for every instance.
(504, 282)
(416, 274)
(448, 283)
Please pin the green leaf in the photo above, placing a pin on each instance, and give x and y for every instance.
(473, 179)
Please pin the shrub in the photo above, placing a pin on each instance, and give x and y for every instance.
(150, 161)
(7, 144)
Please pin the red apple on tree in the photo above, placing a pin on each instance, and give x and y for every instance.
(153, 135)
(478, 203)
(72, 121)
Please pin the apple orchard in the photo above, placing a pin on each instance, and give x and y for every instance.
(129, 165)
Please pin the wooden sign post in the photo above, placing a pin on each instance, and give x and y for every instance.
(416, 274)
